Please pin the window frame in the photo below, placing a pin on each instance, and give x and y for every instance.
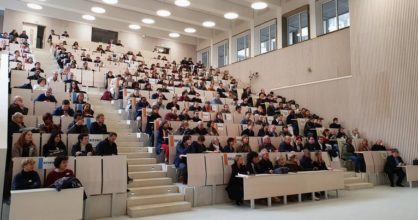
(325, 30)
(272, 43)
(285, 18)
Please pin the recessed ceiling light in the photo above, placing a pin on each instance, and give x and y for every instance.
(34, 6)
(98, 10)
(208, 24)
(189, 30)
(89, 17)
(174, 35)
(148, 21)
(163, 13)
(112, 2)
(231, 15)
(182, 3)
(259, 5)
(134, 27)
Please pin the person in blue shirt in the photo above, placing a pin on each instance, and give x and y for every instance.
(46, 97)
(65, 109)
(216, 100)
(180, 160)
(27, 178)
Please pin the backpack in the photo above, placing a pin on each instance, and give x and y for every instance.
(415, 161)
(67, 183)
(107, 96)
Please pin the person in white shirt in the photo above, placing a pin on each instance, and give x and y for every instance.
(54, 78)
(41, 85)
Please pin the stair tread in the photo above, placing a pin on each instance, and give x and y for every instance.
(155, 196)
(357, 184)
(151, 171)
(152, 187)
(152, 179)
(160, 205)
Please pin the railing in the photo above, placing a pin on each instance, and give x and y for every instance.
(311, 83)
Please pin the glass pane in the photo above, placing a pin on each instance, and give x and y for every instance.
(293, 29)
(264, 34)
(263, 47)
(329, 16)
(205, 58)
(342, 7)
(343, 14)
(272, 37)
(221, 56)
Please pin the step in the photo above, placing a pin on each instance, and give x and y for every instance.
(154, 199)
(147, 174)
(159, 209)
(134, 143)
(144, 167)
(150, 182)
(349, 180)
(124, 149)
(140, 161)
(346, 174)
(152, 190)
(355, 186)
(135, 155)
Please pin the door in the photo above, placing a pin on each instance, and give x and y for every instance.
(32, 32)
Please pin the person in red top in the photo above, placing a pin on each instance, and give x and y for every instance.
(60, 170)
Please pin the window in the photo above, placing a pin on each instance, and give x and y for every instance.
(335, 15)
(203, 56)
(222, 55)
(297, 28)
(243, 48)
(104, 36)
(267, 37)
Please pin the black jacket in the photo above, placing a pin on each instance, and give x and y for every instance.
(106, 148)
(264, 166)
(391, 163)
(235, 184)
(13, 108)
(248, 132)
(96, 128)
(77, 147)
(52, 150)
(196, 148)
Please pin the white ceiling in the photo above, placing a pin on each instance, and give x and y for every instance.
(119, 16)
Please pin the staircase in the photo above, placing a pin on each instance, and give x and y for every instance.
(353, 181)
(151, 191)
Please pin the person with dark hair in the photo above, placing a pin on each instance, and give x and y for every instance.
(46, 97)
(48, 126)
(200, 129)
(306, 160)
(180, 161)
(172, 104)
(265, 165)
(393, 166)
(60, 164)
(82, 147)
(77, 126)
(162, 138)
(235, 185)
(335, 124)
(17, 106)
(37, 68)
(249, 131)
(64, 109)
(198, 147)
(98, 127)
(286, 146)
(252, 161)
(319, 163)
(378, 146)
(293, 163)
(229, 147)
(54, 146)
(28, 178)
(244, 145)
(312, 145)
(107, 146)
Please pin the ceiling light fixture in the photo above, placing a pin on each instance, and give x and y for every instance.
(189, 30)
(174, 35)
(259, 5)
(231, 15)
(208, 24)
(98, 10)
(134, 27)
(34, 6)
(182, 3)
(148, 21)
(163, 13)
(111, 2)
(89, 17)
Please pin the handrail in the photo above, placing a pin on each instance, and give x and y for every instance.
(311, 83)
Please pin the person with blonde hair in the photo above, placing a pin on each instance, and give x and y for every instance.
(25, 147)
(27, 178)
(235, 185)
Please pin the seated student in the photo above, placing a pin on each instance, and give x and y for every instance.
(24, 146)
(280, 164)
(252, 161)
(184, 129)
(79, 99)
(218, 118)
(293, 163)
(196, 117)
(226, 110)
(77, 126)
(235, 185)
(184, 97)
(214, 145)
(28, 178)
(195, 107)
(212, 129)
(306, 161)
(229, 147)
(64, 109)
(363, 146)
(312, 145)
(244, 145)
(98, 127)
(87, 58)
(16, 125)
(54, 147)
(82, 147)
(309, 129)
(335, 124)
(87, 111)
(173, 103)
(393, 166)
(266, 144)
(319, 163)
(348, 153)
(246, 118)
(265, 165)
(249, 131)
(184, 115)
(37, 68)
(143, 103)
(46, 97)
(172, 115)
(158, 94)
(107, 146)
(297, 145)
(180, 161)
(286, 145)
(41, 85)
(216, 100)
(65, 34)
(200, 129)
(378, 146)
(198, 147)
(60, 171)
(17, 106)
(48, 126)
(285, 131)
(162, 138)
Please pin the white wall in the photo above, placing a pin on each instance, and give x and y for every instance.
(14, 20)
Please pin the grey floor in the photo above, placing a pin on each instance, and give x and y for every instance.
(382, 202)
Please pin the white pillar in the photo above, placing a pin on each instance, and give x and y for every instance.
(252, 38)
(279, 34)
(211, 53)
(312, 19)
(229, 47)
